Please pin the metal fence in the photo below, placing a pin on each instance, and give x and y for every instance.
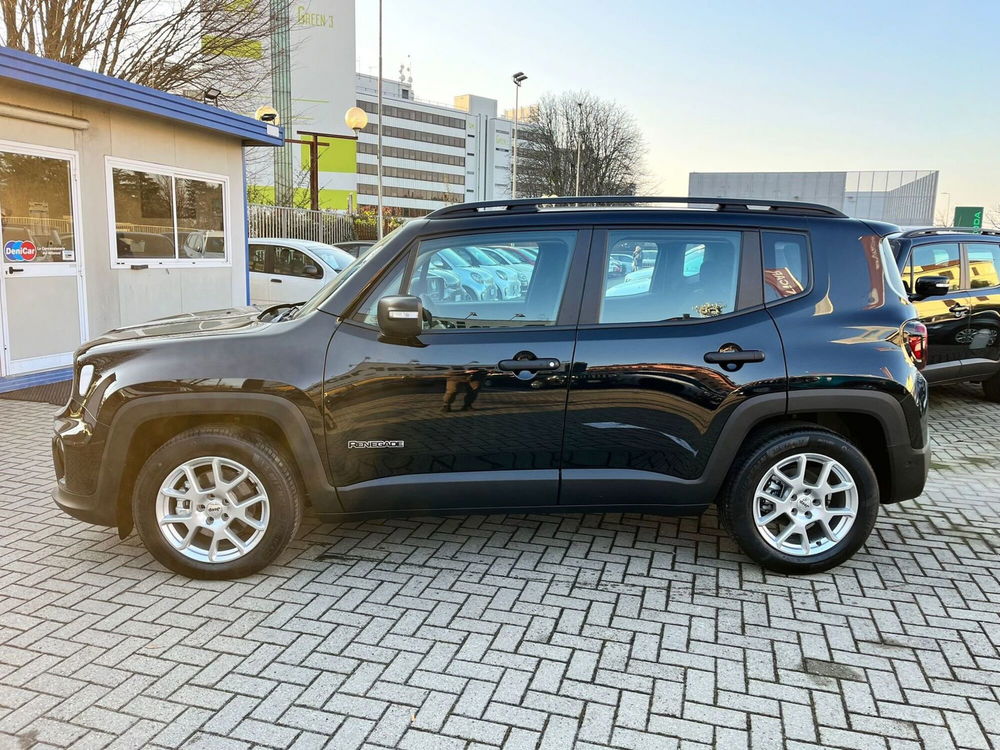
(304, 224)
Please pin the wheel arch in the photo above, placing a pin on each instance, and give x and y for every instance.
(143, 425)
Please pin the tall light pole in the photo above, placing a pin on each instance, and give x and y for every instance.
(947, 220)
(518, 78)
(378, 150)
(579, 147)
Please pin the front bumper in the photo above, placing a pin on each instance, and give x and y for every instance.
(88, 508)
(909, 467)
(77, 459)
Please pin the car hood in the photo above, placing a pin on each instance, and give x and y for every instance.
(186, 325)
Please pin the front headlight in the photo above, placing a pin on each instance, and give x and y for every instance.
(478, 278)
(85, 380)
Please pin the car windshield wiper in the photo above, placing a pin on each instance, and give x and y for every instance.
(279, 312)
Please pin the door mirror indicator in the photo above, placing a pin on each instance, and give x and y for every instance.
(930, 286)
(400, 317)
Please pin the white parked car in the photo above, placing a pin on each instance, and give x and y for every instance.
(286, 270)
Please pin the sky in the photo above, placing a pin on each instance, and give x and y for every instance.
(751, 85)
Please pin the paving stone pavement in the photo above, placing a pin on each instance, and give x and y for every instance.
(616, 630)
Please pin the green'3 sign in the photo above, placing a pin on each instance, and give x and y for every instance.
(969, 217)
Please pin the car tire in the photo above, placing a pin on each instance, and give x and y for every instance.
(778, 477)
(243, 513)
(991, 388)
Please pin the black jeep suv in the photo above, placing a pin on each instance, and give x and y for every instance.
(963, 325)
(764, 356)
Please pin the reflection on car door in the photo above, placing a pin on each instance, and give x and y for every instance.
(947, 317)
(984, 301)
(472, 412)
(645, 406)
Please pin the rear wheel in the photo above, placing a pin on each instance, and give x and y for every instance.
(802, 501)
(216, 502)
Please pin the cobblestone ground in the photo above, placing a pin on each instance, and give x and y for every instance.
(620, 631)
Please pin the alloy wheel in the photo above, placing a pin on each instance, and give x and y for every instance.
(805, 504)
(212, 509)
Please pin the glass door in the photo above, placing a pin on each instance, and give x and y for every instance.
(42, 312)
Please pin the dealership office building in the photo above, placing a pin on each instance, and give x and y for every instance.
(118, 204)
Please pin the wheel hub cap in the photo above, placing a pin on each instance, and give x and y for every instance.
(805, 504)
(212, 509)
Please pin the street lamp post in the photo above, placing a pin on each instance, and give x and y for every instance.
(518, 78)
(947, 220)
(378, 150)
(579, 147)
(357, 120)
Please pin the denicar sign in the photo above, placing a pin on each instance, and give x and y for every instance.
(19, 251)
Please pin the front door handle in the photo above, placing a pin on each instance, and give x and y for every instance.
(959, 311)
(530, 365)
(275, 281)
(734, 359)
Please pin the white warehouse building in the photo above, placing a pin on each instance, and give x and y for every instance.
(433, 155)
(903, 197)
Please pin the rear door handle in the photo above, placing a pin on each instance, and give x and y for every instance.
(531, 365)
(275, 281)
(738, 357)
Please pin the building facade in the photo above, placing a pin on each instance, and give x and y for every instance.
(903, 197)
(433, 155)
(118, 204)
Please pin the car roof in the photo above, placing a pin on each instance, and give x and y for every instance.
(936, 234)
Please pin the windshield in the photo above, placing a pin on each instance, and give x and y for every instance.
(332, 256)
(323, 294)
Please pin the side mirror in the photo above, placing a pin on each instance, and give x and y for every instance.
(400, 317)
(312, 272)
(930, 286)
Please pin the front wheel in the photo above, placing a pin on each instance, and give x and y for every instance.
(216, 502)
(801, 501)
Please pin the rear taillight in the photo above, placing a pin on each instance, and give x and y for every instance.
(915, 334)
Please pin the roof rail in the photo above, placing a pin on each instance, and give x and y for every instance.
(948, 230)
(529, 205)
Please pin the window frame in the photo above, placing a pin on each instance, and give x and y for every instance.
(810, 261)
(749, 285)
(567, 316)
(174, 173)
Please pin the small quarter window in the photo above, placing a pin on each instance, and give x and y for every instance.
(786, 264)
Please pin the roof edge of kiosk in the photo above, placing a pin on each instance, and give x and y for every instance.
(27, 68)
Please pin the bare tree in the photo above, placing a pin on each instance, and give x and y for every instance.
(610, 145)
(170, 45)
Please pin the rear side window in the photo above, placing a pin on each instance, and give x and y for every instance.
(984, 264)
(677, 274)
(786, 264)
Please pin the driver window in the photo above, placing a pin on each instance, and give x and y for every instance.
(494, 280)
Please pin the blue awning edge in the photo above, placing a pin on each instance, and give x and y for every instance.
(21, 66)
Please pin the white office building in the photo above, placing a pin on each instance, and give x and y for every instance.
(433, 155)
